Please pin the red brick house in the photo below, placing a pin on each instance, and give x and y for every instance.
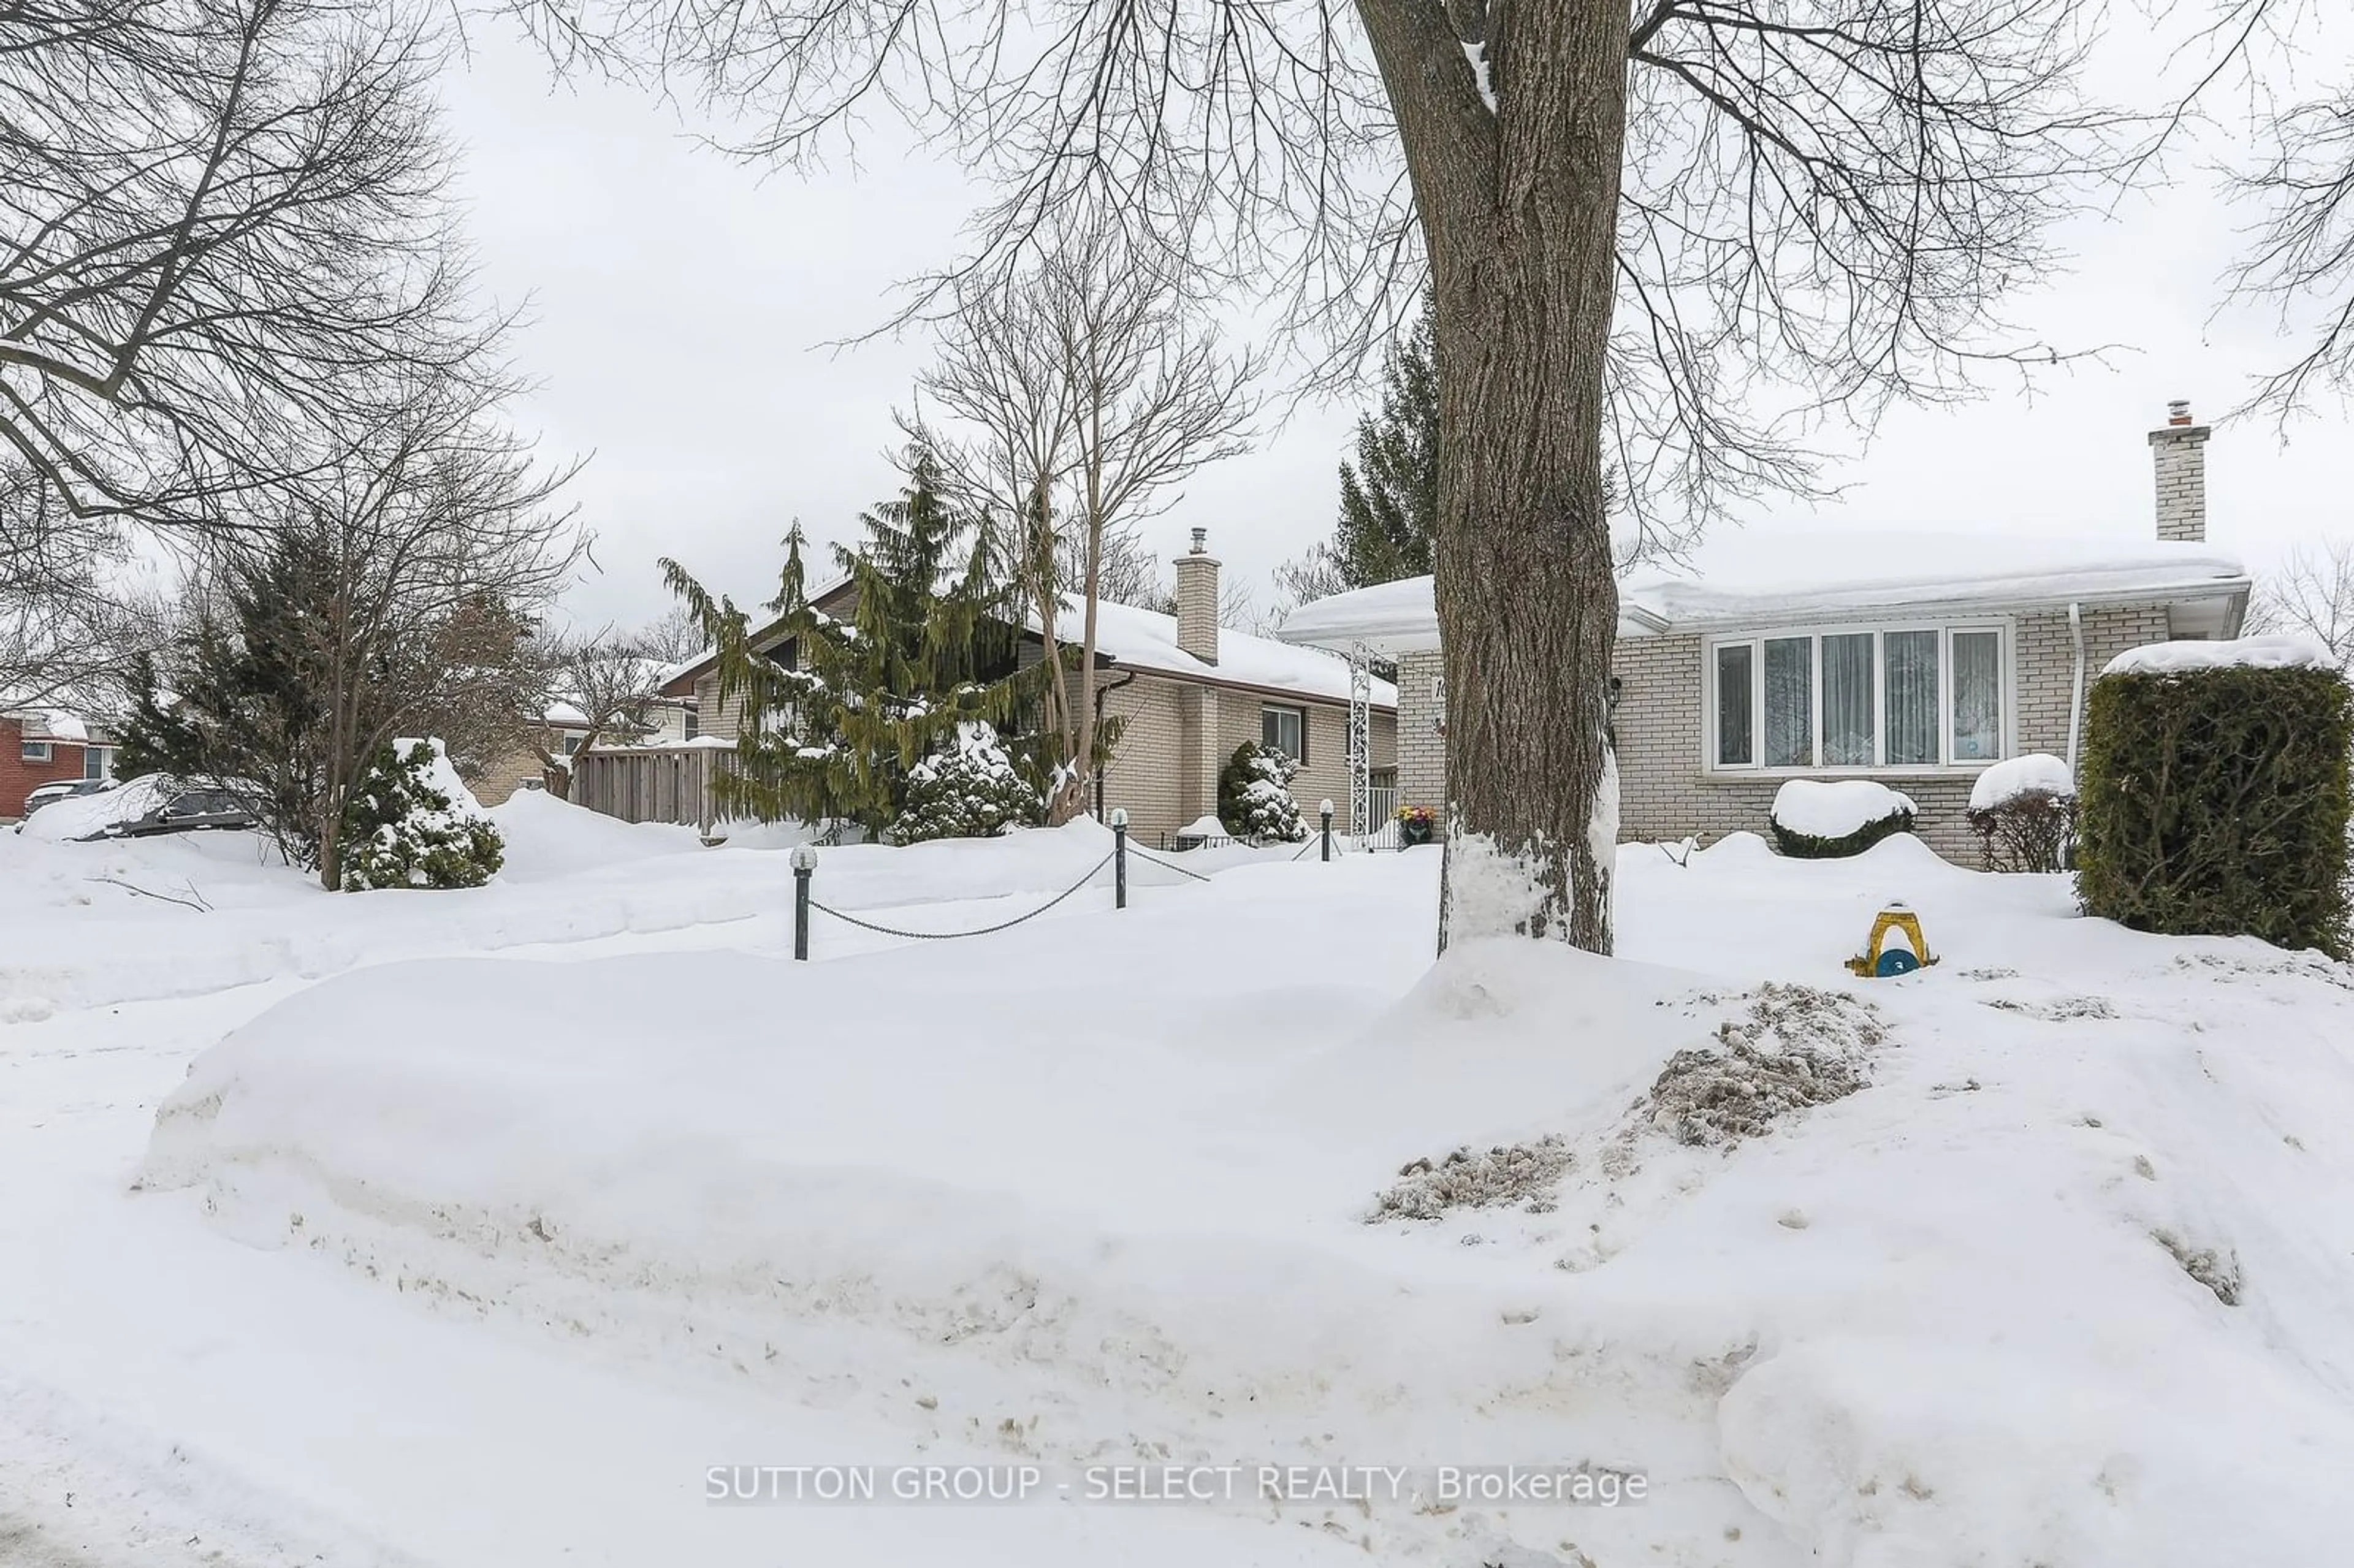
(42, 745)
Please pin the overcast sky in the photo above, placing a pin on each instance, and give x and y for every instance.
(681, 303)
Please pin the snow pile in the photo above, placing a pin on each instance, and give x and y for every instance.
(1203, 828)
(2037, 772)
(2045, 1289)
(1508, 1173)
(547, 838)
(576, 878)
(1833, 808)
(90, 816)
(2282, 651)
(1797, 1047)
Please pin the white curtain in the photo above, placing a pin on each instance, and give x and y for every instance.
(1912, 660)
(1790, 702)
(1978, 696)
(1847, 701)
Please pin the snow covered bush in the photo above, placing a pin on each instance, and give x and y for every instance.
(970, 790)
(2214, 800)
(2023, 811)
(1254, 796)
(412, 823)
(1813, 820)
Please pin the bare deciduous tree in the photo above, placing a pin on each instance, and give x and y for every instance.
(2313, 593)
(1083, 392)
(672, 638)
(612, 678)
(221, 221)
(1668, 233)
(390, 591)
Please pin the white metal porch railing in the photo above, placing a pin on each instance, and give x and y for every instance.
(1380, 810)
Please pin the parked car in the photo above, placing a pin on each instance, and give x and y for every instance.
(64, 789)
(184, 809)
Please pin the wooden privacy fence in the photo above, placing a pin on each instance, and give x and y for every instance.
(651, 783)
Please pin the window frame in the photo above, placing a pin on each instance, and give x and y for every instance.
(2006, 674)
(35, 751)
(1299, 713)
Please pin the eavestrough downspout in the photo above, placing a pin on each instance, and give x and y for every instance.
(1101, 694)
(2076, 692)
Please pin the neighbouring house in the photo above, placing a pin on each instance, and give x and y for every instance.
(1915, 659)
(44, 746)
(561, 732)
(1187, 691)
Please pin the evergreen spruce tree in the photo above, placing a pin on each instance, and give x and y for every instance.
(408, 824)
(1389, 496)
(970, 790)
(241, 698)
(1254, 796)
(1389, 500)
(839, 713)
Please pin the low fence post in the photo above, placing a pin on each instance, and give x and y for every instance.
(805, 861)
(1119, 857)
(1327, 831)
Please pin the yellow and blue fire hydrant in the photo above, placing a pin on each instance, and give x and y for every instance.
(1881, 958)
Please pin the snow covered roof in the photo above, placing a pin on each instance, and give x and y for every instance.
(1756, 577)
(1764, 578)
(50, 724)
(1147, 640)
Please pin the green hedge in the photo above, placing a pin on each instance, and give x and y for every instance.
(1811, 846)
(2214, 802)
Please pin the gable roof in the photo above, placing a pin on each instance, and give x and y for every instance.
(1128, 638)
(1146, 640)
(1781, 578)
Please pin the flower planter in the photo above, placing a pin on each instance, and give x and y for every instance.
(1412, 831)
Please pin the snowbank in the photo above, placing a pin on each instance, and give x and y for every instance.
(2062, 1281)
(547, 838)
(2290, 651)
(2016, 775)
(1832, 808)
(68, 910)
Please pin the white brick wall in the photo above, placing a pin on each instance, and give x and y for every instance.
(1664, 790)
(2178, 453)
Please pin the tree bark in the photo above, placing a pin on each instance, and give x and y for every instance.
(1519, 211)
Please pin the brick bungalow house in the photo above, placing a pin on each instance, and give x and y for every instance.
(1913, 659)
(1189, 690)
(44, 746)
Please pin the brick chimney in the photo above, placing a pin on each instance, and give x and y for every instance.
(1197, 599)
(2177, 450)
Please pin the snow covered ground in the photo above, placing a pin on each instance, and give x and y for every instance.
(328, 1241)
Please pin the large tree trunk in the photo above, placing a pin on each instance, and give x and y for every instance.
(1519, 209)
